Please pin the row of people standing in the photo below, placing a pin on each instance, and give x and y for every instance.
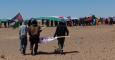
(109, 20)
(49, 23)
(90, 21)
(4, 24)
(72, 22)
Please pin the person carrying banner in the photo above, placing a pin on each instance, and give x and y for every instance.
(29, 31)
(23, 37)
(34, 32)
(61, 31)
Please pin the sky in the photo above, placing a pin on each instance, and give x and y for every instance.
(74, 8)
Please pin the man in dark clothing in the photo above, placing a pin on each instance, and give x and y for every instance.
(47, 23)
(111, 20)
(56, 23)
(52, 23)
(34, 32)
(61, 31)
(5, 24)
(29, 23)
(42, 21)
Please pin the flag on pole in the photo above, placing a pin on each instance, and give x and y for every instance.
(16, 20)
(17, 17)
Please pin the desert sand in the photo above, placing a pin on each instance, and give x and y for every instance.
(84, 43)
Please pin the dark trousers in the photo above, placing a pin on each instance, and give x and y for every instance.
(61, 42)
(23, 43)
(34, 43)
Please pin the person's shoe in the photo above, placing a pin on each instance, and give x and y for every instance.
(61, 51)
(23, 52)
(31, 52)
(57, 50)
(35, 52)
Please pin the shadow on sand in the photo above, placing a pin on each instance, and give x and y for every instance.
(51, 53)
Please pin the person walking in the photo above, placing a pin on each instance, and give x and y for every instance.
(61, 31)
(34, 32)
(23, 37)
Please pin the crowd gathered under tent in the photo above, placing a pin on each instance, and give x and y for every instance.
(53, 21)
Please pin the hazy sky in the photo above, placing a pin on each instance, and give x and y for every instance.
(74, 8)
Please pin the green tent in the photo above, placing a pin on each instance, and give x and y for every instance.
(3, 20)
(49, 18)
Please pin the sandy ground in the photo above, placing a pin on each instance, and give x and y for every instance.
(85, 43)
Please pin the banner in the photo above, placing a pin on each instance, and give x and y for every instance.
(49, 39)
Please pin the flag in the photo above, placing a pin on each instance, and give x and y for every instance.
(16, 20)
(17, 17)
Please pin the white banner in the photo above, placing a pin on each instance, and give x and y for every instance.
(49, 39)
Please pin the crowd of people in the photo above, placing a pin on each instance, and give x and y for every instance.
(34, 30)
(84, 21)
(90, 21)
(5, 23)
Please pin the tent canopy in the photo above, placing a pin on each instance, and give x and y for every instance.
(3, 20)
(49, 18)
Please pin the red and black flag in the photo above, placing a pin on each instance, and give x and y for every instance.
(16, 20)
(17, 17)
